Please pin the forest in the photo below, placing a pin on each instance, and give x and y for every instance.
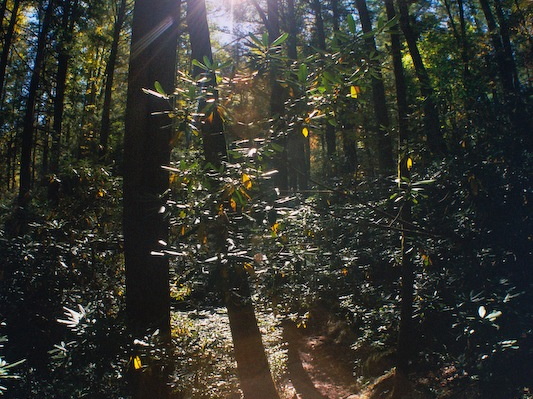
(266, 199)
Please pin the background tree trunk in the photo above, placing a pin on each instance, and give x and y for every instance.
(29, 113)
(385, 157)
(405, 338)
(105, 124)
(431, 113)
(8, 38)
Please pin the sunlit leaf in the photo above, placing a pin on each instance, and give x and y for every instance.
(494, 315)
(280, 40)
(246, 181)
(159, 88)
(482, 312)
(305, 132)
(137, 364)
(409, 163)
(354, 91)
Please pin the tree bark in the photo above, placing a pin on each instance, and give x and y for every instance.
(277, 100)
(8, 38)
(29, 113)
(405, 336)
(297, 144)
(331, 145)
(65, 41)
(146, 149)
(504, 69)
(385, 157)
(214, 142)
(431, 114)
(105, 124)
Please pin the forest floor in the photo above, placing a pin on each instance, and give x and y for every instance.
(317, 368)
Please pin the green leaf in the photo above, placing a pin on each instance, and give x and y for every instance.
(159, 88)
(280, 40)
(351, 23)
(199, 64)
(303, 73)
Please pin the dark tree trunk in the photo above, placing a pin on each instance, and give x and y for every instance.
(405, 336)
(67, 26)
(146, 149)
(291, 24)
(431, 114)
(385, 157)
(252, 365)
(3, 7)
(297, 144)
(214, 142)
(105, 124)
(399, 79)
(277, 100)
(331, 145)
(7, 39)
(504, 69)
(29, 113)
(506, 43)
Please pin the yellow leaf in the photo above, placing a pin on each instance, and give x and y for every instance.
(275, 228)
(246, 181)
(305, 132)
(409, 163)
(233, 204)
(249, 268)
(354, 91)
(344, 271)
(137, 364)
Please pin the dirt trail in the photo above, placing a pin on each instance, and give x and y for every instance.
(318, 369)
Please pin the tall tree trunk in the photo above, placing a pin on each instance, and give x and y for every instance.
(504, 70)
(252, 365)
(431, 114)
(29, 113)
(405, 336)
(385, 157)
(8, 38)
(105, 124)
(214, 142)
(506, 43)
(297, 144)
(277, 100)
(399, 79)
(146, 149)
(331, 145)
(65, 41)
(3, 7)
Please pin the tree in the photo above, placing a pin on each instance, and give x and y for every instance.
(105, 124)
(8, 38)
(146, 149)
(405, 336)
(331, 146)
(431, 113)
(386, 161)
(29, 113)
(70, 13)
